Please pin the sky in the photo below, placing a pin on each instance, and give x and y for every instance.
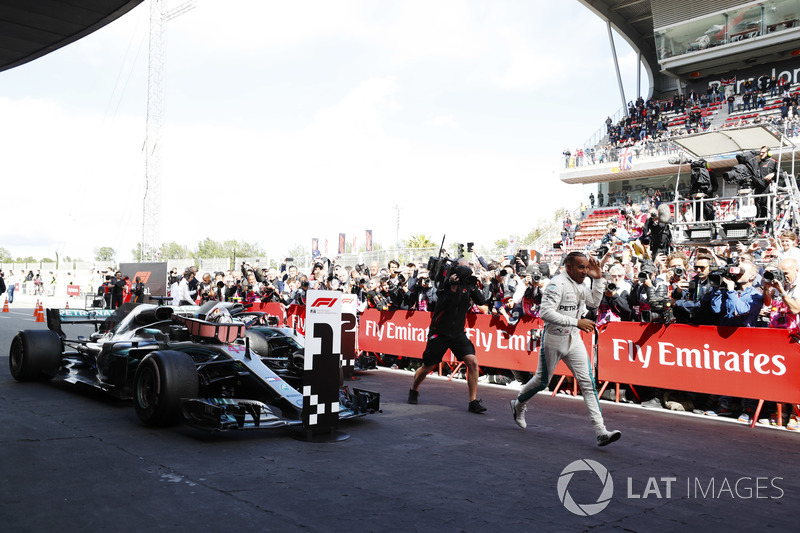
(285, 121)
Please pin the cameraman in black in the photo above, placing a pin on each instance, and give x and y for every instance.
(455, 296)
(657, 232)
(762, 178)
(703, 185)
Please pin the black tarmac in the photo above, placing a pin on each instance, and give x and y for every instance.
(75, 460)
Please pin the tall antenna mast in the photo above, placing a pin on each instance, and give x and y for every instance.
(151, 204)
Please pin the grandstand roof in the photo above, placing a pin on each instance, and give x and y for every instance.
(31, 29)
(633, 20)
(712, 143)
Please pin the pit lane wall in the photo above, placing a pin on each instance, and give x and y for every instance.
(758, 363)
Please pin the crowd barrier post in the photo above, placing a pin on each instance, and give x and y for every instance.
(604, 384)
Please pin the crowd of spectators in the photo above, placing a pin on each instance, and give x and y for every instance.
(751, 283)
(646, 129)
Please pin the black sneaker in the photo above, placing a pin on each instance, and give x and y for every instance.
(413, 396)
(475, 406)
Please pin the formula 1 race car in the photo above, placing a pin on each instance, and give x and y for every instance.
(206, 369)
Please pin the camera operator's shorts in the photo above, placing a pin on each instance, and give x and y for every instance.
(437, 346)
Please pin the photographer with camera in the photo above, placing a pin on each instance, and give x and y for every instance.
(614, 306)
(496, 289)
(376, 297)
(563, 306)
(649, 297)
(737, 300)
(527, 298)
(422, 295)
(299, 294)
(455, 296)
(782, 296)
(395, 290)
(269, 293)
(695, 306)
(206, 290)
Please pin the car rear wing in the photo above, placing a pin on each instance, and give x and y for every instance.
(57, 317)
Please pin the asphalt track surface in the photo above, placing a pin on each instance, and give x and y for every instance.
(74, 460)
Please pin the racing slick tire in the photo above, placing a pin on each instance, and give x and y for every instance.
(259, 343)
(162, 380)
(35, 355)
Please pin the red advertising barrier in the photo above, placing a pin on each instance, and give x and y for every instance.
(758, 363)
(296, 318)
(497, 344)
(273, 309)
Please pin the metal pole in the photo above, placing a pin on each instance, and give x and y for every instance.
(639, 74)
(616, 68)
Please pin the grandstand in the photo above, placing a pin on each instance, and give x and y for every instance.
(685, 48)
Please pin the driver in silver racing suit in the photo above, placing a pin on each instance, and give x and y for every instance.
(563, 304)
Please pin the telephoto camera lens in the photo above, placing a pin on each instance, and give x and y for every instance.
(679, 272)
(611, 286)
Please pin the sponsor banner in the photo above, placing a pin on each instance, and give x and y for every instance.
(497, 344)
(296, 318)
(271, 309)
(73, 290)
(759, 363)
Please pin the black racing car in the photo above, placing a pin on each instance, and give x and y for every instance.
(201, 369)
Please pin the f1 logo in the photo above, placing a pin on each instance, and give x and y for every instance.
(143, 275)
(324, 302)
